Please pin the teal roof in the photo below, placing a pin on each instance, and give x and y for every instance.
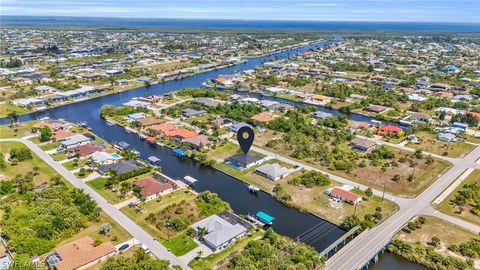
(264, 217)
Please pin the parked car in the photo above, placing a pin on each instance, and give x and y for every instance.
(145, 248)
(123, 247)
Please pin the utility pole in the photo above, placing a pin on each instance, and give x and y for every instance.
(384, 189)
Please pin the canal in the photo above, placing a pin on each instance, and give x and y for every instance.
(288, 221)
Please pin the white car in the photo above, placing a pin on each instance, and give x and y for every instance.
(145, 248)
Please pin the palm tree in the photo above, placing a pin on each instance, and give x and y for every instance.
(199, 254)
(202, 232)
(13, 116)
(124, 188)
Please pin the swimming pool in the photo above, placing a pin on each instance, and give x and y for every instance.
(115, 156)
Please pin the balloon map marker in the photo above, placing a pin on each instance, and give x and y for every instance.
(245, 138)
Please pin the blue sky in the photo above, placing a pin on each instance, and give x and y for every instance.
(302, 10)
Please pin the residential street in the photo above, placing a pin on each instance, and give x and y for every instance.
(136, 231)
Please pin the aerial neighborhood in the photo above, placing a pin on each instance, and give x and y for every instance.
(122, 149)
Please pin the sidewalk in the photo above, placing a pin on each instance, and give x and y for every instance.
(453, 186)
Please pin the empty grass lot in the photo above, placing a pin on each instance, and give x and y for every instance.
(431, 144)
(179, 244)
(21, 130)
(98, 184)
(448, 233)
(450, 209)
(45, 172)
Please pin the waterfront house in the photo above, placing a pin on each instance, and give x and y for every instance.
(321, 115)
(162, 128)
(180, 134)
(198, 142)
(79, 254)
(345, 195)
(421, 117)
(85, 149)
(134, 117)
(120, 167)
(151, 188)
(29, 102)
(272, 171)
(389, 130)
(121, 82)
(242, 161)
(148, 121)
(62, 133)
(222, 230)
(363, 145)
(74, 140)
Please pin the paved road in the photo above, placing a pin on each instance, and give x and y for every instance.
(408, 149)
(136, 231)
(357, 253)
(397, 200)
(429, 210)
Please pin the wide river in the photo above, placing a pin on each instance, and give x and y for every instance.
(288, 221)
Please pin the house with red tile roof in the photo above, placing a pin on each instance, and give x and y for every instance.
(180, 134)
(344, 195)
(85, 149)
(389, 130)
(151, 188)
(163, 127)
(475, 114)
(61, 134)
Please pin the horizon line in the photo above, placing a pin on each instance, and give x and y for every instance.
(238, 20)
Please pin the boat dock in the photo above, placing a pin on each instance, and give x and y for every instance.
(260, 218)
(190, 180)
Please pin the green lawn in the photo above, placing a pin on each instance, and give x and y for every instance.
(44, 172)
(450, 209)
(6, 108)
(19, 131)
(154, 206)
(98, 184)
(60, 156)
(49, 146)
(432, 145)
(210, 261)
(180, 244)
(72, 165)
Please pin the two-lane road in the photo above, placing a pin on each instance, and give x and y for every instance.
(354, 255)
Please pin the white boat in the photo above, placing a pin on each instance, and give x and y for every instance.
(253, 188)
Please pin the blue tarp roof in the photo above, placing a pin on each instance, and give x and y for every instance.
(264, 217)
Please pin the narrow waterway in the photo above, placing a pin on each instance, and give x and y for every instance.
(288, 221)
(390, 261)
